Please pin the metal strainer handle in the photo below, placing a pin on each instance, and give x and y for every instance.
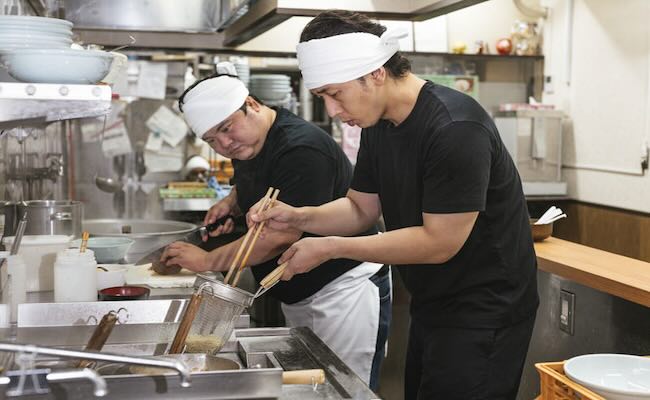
(271, 280)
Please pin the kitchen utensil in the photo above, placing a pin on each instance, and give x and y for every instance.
(125, 45)
(258, 228)
(100, 335)
(84, 242)
(194, 236)
(194, 362)
(7, 218)
(219, 305)
(20, 231)
(178, 344)
(119, 293)
(108, 250)
(144, 275)
(39, 253)
(208, 362)
(270, 280)
(149, 235)
(108, 185)
(254, 231)
(75, 276)
(613, 376)
(69, 66)
(52, 217)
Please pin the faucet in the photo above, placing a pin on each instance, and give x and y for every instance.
(177, 365)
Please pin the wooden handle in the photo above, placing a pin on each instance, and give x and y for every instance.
(235, 260)
(99, 336)
(84, 242)
(274, 276)
(258, 228)
(304, 377)
(186, 323)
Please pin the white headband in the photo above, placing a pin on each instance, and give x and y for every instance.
(210, 102)
(342, 58)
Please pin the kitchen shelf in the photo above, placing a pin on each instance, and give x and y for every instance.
(36, 104)
(198, 204)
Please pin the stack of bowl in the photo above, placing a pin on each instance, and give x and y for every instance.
(24, 32)
(271, 88)
(37, 50)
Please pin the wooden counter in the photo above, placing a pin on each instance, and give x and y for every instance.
(620, 276)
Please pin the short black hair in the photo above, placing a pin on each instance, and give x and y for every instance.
(338, 22)
(181, 99)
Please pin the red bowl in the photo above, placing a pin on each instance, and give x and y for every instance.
(124, 293)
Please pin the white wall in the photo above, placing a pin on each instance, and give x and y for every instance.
(600, 68)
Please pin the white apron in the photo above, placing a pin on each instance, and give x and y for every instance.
(345, 315)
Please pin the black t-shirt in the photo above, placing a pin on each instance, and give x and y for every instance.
(447, 157)
(310, 169)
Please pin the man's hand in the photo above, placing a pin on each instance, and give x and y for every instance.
(187, 256)
(218, 210)
(280, 217)
(305, 255)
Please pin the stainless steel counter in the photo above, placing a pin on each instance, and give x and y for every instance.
(264, 353)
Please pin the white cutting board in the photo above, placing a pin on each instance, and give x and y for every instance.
(143, 275)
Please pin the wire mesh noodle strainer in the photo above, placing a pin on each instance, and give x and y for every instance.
(220, 305)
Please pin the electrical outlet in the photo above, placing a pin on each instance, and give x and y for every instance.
(567, 311)
(548, 84)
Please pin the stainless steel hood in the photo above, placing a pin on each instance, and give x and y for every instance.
(199, 24)
(265, 14)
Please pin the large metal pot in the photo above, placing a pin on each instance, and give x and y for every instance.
(7, 218)
(52, 217)
(148, 235)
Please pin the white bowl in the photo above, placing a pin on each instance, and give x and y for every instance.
(33, 36)
(63, 65)
(114, 276)
(33, 21)
(614, 376)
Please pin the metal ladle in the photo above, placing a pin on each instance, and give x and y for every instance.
(108, 185)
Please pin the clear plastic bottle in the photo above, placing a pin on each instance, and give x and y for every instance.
(75, 276)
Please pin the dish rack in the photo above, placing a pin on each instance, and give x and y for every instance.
(555, 385)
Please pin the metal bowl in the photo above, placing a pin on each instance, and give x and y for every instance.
(148, 235)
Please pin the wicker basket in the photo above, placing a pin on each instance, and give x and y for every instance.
(555, 385)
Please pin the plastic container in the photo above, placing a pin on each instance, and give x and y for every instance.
(39, 253)
(16, 271)
(75, 276)
(113, 276)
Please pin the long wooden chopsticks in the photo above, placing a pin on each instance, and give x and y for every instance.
(238, 263)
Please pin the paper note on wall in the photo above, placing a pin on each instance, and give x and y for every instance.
(168, 124)
(167, 159)
(152, 80)
(116, 140)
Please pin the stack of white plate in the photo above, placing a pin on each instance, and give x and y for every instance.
(243, 71)
(25, 32)
(271, 87)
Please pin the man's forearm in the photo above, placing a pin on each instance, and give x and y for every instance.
(402, 246)
(339, 217)
(221, 258)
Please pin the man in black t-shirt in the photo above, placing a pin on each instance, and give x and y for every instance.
(431, 160)
(271, 147)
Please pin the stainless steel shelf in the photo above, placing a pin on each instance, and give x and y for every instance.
(201, 204)
(34, 104)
